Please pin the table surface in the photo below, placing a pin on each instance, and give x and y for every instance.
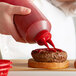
(22, 65)
(41, 73)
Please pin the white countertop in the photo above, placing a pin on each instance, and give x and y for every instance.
(41, 73)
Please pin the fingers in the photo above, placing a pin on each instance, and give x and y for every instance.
(20, 10)
(12, 9)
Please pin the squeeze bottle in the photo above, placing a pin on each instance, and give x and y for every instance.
(33, 28)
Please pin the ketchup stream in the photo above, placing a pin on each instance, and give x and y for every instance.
(43, 38)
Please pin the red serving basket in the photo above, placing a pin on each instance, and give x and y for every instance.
(5, 65)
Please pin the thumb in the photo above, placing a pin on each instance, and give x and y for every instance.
(20, 10)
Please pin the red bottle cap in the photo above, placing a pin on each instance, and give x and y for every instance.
(44, 37)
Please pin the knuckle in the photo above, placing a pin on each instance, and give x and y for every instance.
(18, 8)
(2, 3)
(9, 9)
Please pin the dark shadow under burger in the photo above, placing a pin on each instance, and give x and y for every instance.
(46, 55)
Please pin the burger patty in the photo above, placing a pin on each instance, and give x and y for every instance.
(46, 55)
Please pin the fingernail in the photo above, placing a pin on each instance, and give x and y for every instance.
(27, 11)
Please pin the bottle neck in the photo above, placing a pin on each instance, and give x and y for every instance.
(43, 38)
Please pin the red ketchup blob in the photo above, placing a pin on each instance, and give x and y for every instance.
(46, 49)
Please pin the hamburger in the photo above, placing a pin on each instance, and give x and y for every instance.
(52, 58)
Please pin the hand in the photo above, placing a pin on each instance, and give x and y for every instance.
(7, 12)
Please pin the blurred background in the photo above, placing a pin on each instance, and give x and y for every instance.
(75, 22)
(75, 30)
